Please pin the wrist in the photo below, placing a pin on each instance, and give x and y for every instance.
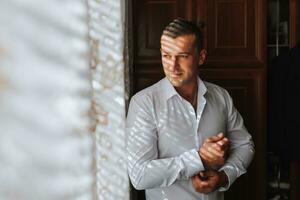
(224, 179)
(203, 161)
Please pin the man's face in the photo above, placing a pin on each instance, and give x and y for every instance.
(180, 59)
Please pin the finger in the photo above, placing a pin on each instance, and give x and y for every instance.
(217, 146)
(221, 134)
(202, 176)
(199, 185)
(209, 146)
(215, 138)
(203, 184)
(206, 154)
(211, 160)
(213, 152)
(223, 142)
(201, 173)
(196, 183)
(203, 154)
(221, 145)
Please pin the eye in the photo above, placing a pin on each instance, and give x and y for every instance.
(183, 56)
(167, 56)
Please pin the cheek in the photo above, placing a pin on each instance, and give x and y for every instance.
(165, 68)
(187, 66)
(163, 61)
(166, 62)
(166, 65)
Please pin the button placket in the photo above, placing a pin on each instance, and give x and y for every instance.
(200, 109)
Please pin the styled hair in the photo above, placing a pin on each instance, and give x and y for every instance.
(179, 27)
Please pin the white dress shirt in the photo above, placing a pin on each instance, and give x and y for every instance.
(164, 135)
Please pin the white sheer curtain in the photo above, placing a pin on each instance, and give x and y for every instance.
(49, 100)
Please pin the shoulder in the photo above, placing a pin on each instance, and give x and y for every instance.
(215, 90)
(149, 95)
(218, 96)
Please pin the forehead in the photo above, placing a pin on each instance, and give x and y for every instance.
(183, 43)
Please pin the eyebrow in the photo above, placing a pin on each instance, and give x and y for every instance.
(180, 53)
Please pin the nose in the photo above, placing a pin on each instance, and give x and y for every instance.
(174, 63)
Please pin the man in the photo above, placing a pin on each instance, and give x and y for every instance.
(178, 130)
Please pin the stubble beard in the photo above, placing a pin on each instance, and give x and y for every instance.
(177, 82)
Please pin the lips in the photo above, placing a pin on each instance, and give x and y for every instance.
(175, 75)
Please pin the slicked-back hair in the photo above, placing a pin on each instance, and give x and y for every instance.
(180, 27)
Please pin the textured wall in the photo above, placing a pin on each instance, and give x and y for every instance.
(62, 100)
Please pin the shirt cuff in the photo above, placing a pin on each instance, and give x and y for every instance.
(191, 162)
(231, 175)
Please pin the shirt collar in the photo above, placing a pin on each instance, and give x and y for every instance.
(201, 87)
(169, 91)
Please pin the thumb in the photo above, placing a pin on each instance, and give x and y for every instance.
(215, 138)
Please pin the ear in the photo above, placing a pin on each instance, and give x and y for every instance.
(202, 57)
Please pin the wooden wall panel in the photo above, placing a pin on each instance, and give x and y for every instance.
(225, 36)
(151, 17)
(149, 41)
(233, 32)
(147, 78)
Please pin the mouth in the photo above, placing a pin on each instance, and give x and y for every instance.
(175, 75)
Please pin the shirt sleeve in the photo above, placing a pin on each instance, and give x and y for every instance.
(241, 149)
(145, 169)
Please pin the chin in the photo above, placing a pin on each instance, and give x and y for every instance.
(176, 83)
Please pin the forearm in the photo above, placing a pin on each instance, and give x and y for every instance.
(237, 163)
(151, 173)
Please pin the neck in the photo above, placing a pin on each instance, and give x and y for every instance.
(189, 92)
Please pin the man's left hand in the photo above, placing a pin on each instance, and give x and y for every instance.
(209, 180)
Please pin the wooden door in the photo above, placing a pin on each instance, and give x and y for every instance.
(234, 36)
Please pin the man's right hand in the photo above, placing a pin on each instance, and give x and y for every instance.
(213, 151)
